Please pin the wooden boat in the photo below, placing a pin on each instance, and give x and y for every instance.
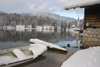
(9, 53)
(8, 58)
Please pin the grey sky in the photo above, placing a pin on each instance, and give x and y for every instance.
(32, 6)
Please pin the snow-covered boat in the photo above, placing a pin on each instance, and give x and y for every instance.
(50, 45)
(15, 56)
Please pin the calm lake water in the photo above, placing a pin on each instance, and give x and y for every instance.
(51, 58)
(13, 38)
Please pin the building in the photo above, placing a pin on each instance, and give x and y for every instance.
(73, 26)
(91, 19)
(78, 22)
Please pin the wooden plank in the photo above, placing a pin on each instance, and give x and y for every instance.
(93, 16)
(96, 25)
(92, 43)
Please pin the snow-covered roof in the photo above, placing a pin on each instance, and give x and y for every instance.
(80, 3)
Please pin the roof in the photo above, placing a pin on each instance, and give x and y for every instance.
(80, 3)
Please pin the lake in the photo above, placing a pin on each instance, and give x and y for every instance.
(51, 58)
(13, 38)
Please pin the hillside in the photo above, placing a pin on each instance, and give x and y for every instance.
(54, 16)
(14, 19)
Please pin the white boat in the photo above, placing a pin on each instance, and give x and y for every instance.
(50, 45)
(15, 56)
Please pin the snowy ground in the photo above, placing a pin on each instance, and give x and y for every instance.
(84, 58)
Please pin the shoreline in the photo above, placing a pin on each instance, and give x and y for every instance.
(50, 58)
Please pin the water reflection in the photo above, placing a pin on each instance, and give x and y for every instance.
(15, 38)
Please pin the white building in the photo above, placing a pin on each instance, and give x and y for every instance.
(78, 22)
(73, 26)
(20, 27)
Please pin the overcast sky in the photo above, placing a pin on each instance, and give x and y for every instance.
(33, 6)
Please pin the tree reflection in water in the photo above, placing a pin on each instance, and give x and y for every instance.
(13, 38)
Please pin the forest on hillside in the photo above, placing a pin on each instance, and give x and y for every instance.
(14, 19)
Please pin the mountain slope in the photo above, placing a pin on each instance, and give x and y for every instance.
(54, 16)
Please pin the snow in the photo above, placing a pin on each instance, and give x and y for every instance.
(7, 59)
(84, 58)
(80, 3)
(20, 55)
(10, 59)
(37, 49)
(50, 45)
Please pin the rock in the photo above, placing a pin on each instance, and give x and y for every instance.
(80, 42)
(75, 46)
(68, 45)
(64, 46)
(32, 42)
(84, 46)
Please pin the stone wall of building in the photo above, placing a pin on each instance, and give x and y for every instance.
(91, 35)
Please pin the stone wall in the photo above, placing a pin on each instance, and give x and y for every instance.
(91, 35)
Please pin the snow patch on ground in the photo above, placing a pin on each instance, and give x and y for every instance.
(84, 58)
